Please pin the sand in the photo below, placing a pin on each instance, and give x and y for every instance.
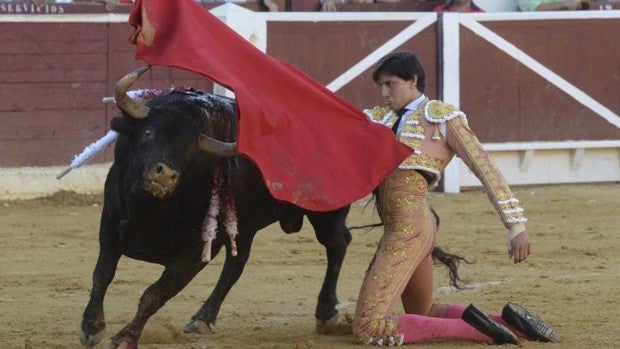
(48, 248)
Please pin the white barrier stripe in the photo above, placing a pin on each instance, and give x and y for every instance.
(541, 70)
(340, 16)
(451, 59)
(388, 46)
(568, 144)
(542, 15)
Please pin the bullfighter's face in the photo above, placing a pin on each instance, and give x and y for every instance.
(396, 92)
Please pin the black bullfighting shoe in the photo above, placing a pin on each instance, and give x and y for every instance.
(532, 326)
(481, 322)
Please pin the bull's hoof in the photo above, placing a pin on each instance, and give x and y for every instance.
(89, 340)
(125, 344)
(198, 327)
(333, 326)
(124, 340)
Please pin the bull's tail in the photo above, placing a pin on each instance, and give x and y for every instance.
(452, 262)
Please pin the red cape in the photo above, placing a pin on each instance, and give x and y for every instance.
(313, 148)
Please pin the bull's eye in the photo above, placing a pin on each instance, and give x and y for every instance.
(149, 134)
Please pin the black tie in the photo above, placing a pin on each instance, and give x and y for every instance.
(400, 114)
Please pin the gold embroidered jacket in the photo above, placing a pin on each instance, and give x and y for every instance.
(437, 131)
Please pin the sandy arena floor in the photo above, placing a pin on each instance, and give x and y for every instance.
(48, 249)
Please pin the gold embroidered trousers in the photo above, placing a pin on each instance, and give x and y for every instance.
(408, 238)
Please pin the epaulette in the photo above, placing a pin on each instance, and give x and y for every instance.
(439, 112)
(377, 113)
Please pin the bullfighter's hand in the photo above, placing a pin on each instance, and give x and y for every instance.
(519, 247)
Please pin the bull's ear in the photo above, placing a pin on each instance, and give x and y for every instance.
(121, 124)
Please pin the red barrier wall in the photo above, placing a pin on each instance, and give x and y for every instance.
(53, 76)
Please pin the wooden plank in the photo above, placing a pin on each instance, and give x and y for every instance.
(53, 38)
(507, 102)
(48, 137)
(53, 76)
(582, 62)
(73, 68)
(344, 44)
(364, 93)
(42, 152)
(46, 124)
(51, 96)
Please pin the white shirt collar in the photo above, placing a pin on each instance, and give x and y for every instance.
(411, 106)
(416, 103)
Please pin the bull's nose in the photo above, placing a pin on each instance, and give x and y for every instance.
(160, 180)
(165, 171)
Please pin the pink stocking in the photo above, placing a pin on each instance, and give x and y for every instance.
(417, 328)
(454, 311)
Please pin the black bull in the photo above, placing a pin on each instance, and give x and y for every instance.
(158, 192)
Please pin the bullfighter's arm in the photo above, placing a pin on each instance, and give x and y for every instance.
(467, 146)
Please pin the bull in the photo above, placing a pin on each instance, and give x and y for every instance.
(157, 194)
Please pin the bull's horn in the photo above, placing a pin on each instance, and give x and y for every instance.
(123, 101)
(213, 146)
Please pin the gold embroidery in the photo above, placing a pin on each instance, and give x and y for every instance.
(416, 130)
(482, 165)
(415, 144)
(438, 111)
(503, 195)
(377, 112)
(423, 161)
(400, 250)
